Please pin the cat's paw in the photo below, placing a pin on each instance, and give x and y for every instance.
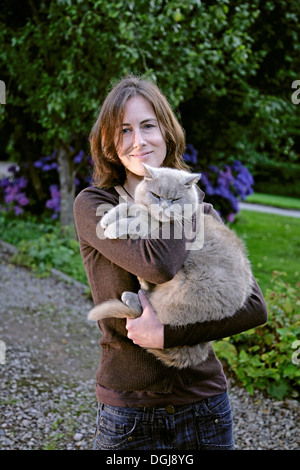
(132, 301)
(118, 229)
(107, 219)
(112, 231)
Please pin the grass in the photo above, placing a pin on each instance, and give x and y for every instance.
(283, 202)
(273, 245)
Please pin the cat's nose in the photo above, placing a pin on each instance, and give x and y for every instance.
(164, 205)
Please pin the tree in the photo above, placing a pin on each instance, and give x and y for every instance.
(255, 119)
(60, 56)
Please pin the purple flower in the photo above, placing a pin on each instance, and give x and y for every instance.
(54, 202)
(18, 210)
(231, 217)
(78, 158)
(13, 193)
(190, 154)
(22, 199)
(224, 187)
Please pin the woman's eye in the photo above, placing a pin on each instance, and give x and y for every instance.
(125, 131)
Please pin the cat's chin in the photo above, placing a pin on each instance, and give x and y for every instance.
(164, 218)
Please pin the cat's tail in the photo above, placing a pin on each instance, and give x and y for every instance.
(112, 309)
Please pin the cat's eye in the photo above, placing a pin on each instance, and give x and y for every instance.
(177, 199)
(155, 195)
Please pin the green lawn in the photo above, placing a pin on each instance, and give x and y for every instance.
(273, 245)
(276, 201)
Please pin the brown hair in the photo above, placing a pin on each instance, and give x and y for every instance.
(108, 169)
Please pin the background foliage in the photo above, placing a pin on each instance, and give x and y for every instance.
(227, 67)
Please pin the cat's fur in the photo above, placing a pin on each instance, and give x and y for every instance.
(214, 281)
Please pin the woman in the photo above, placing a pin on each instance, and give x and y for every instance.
(144, 404)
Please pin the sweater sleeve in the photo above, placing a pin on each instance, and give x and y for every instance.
(156, 260)
(251, 315)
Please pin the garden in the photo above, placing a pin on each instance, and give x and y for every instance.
(227, 68)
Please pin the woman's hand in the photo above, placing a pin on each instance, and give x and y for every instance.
(146, 331)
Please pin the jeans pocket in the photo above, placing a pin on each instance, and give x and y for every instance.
(219, 407)
(113, 430)
(214, 423)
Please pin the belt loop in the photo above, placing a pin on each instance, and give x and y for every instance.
(148, 415)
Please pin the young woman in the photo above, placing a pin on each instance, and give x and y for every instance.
(144, 404)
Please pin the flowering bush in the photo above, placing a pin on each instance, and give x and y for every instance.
(223, 187)
(48, 170)
(17, 192)
(12, 192)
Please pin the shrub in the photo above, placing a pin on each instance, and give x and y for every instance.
(280, 178)
(223, 187)
(13, 197)
(263, 357)
(18, 193)
(50, 250)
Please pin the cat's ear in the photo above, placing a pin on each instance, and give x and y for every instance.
(149, 172)
(192, 178)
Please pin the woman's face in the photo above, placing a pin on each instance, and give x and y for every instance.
(140, 139)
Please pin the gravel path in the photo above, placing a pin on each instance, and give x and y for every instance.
(47, 390)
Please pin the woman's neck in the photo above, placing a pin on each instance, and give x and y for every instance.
(131, 183)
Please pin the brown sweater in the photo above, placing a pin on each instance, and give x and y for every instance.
(127, 374)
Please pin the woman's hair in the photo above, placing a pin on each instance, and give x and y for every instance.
(108, 169)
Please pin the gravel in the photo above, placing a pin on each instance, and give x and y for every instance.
(47, 387)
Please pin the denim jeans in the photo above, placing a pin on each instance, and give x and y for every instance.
(204, 425)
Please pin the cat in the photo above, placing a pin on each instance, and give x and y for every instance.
(214, 281)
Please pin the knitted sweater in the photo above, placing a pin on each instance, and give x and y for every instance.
(127, 373)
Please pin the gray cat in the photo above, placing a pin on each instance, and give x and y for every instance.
(214, 281)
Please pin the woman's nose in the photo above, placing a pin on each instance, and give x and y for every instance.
(138, 139)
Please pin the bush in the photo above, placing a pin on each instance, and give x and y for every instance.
(51, 251)
(12, 192)
(264, 357)
(41, 245)
(280, 178)
(224, 186)
(18, 193)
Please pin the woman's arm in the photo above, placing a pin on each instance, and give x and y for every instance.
(148, 332)
(253, 314)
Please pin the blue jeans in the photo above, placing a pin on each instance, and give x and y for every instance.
(204, 425)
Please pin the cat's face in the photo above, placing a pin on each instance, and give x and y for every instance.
(170, 194)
